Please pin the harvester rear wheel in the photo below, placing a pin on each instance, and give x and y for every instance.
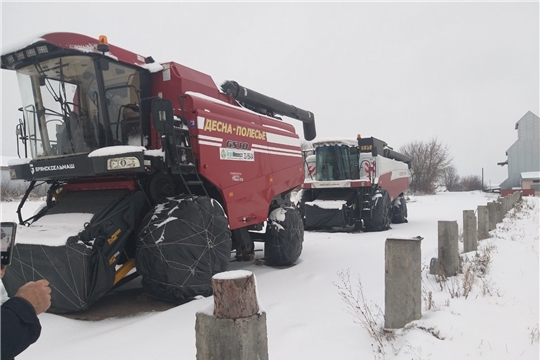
(399, 210)
(284, 236)
(160, 187)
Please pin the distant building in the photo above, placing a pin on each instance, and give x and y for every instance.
(524, 154)
(531, 180)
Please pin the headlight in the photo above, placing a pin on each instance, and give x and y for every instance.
(30, 52)
(123, 163)
(42, 49)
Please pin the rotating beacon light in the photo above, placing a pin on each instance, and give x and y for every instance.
(103, 44)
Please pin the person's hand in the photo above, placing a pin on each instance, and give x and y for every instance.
(2, 271)
(38, 293)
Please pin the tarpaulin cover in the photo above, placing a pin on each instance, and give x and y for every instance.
(284, 236)
(318, 218)
(182, 243)
(81, 271)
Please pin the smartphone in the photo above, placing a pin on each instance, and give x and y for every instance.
(7, 233)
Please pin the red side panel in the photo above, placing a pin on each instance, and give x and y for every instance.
(395, 185)
(176, 80)
(285, 159)
(249, 157)
(241, 154)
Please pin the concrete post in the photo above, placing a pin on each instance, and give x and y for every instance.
(483, 225)
(502, 201)
(448, 248)
(507, 204)
(499, 211)
(492, 216)
(470, 239)
(515, 198)
(403, 282)
(235, 328)
(434, 266)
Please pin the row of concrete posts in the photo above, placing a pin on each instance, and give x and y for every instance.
(403, 259)
(236, 326)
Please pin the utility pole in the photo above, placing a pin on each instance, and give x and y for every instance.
(483, 188)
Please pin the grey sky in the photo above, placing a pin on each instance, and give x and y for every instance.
(462, 72)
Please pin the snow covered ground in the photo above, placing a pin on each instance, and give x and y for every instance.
(307, 318)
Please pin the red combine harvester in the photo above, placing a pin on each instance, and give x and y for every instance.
(358, 185)
(151, 167)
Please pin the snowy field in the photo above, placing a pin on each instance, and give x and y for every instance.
(307, 318)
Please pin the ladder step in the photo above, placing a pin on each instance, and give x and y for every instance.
(194, 182)
(187, 165)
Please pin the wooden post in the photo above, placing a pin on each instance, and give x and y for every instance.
(236, 328)
(234, 298)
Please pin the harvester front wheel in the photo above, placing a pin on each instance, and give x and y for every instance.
(381, 212)
(284, 236)
(183, 242)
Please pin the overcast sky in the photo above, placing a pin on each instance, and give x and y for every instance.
(463, 73)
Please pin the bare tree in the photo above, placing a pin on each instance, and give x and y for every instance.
(470, 183)
(429, 159)
(450, 178)
(305, 145)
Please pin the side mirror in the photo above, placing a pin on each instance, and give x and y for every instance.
(103, 64)
(162, 115)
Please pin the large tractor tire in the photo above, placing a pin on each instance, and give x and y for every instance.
(182, 243)
(381, 212)
(399, 210)
(284, 236)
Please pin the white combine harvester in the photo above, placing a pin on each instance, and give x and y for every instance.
(354, 185)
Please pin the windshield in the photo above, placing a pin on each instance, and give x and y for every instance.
(336, 163)
(64, 109)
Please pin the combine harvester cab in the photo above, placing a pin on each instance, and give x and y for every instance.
(359, 185)
(153, 170)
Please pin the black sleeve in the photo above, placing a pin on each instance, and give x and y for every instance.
(20, 327)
